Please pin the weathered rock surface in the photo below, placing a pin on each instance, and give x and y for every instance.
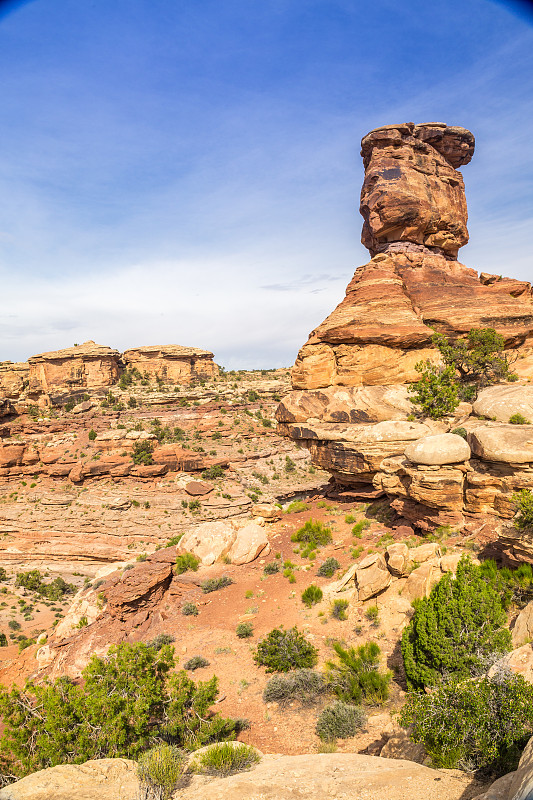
(13, 378)
(510, 444)
(87, 366)
(371, 576)
(212, 541)
(335, 775)
(171, 363)
(444, 448)
(102, 779)
(522, 631)
(502, 402)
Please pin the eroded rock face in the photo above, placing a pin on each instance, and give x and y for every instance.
(13, 378)
(87, 366)
(412, 190)
(350, 378)
(172, 363)
(101, 779)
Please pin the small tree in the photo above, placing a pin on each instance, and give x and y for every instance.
(142, 453)
(436, 392)
(523, 506)
(281, 651)
(455, 629)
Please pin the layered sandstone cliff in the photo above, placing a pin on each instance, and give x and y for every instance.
(84, 366)
(349, 403)
(172, 363)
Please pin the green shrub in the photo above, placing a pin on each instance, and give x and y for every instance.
(282, 650)
(125, 702)
(473, 724)
(142, 452)
(214, 584)
(3, 575)
(312, 595)
(518, 419)
(372, 615)
(92, 435)
(312, 533)
(297, 507)
(455, 629)
(355, 675)
(339, 608)
(359, 527)
(159, 771)
(328, 568)
(227, 758)
(161, 640)
(305, 686)
(523, 506)
(462, 432)
(244, 630)
(189, 610)
(33, 582)
(211, 473)
(339, 721)
(436, 392)
(186, 562)
(271, 568)
(3, 640)
(196, 662)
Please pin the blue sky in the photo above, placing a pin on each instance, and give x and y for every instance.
(189, 172)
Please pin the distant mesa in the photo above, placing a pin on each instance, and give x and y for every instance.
(95, 366)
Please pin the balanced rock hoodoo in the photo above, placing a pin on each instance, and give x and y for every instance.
(352, 375)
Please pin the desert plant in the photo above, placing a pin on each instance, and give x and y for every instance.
(297, 507)
(196, 662)
(92, 435)
(436, 391)
(244, 630)
(305, 686)
(189, 610)
(339, 608)
(355, 675)
(161, 640)
(272, 568)
(359, 527)
(159, 771)
(473, 724)
(479, 358)
(372, 615)
(3, 640)
(312, 533)
(523, 507)
(339, 721)
(214, 584)
(282, 650)
(142, 452)
(211, 473)
(226, 758)
(462, 432)
(328, 568)
(518, 419)
(186, 562)
(312, 595)
(456, 628)
(127, 700)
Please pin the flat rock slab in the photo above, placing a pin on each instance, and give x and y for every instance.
(501, 402)
(198, 488)
(103, 779)
(332, 776)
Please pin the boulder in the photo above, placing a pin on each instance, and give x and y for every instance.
(522, 631)
(444, 448)
(401, 746)
(268, 512)
(250, 542)
(501, 402)
(510, 444)
(521, 786)
(398, 559)
(422, 580)
(499, 790)
(371, 576)
(102, 779)
(198, 488)
(325, 776)
(209, 541)
(424, 552)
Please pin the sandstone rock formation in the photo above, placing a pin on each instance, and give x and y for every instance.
(101, 779)
(13, 378)
(85, 366)
(350, 406)
(171, 363)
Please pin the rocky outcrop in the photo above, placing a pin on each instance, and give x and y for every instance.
(101, 779)
(13, 378)
(213, 541)
(171, 363)
(350, 405)
(85, 366)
